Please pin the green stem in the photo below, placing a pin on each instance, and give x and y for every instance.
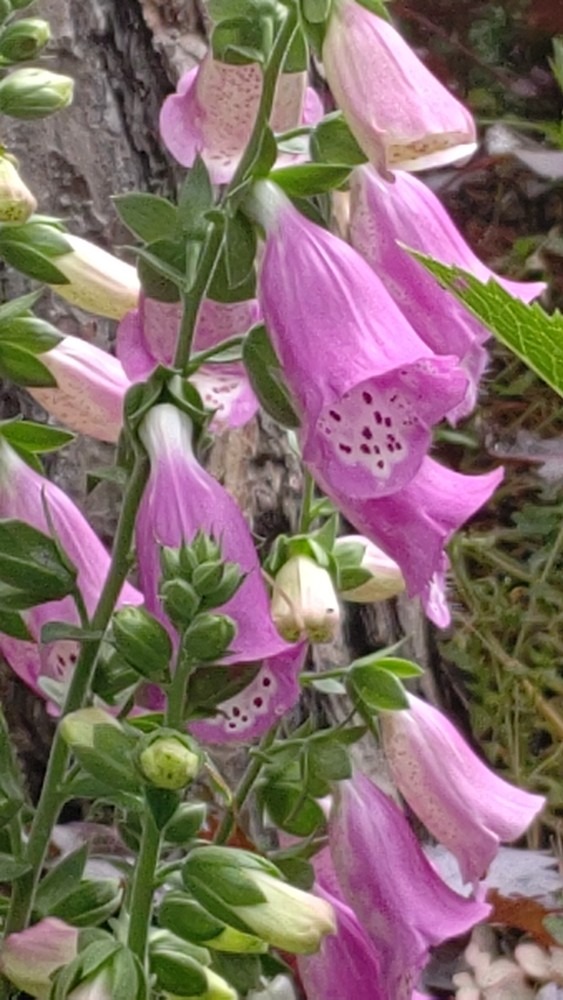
(51, 799)
(193, 299)
(142, 889)
(244, 787)
(177, 691)
(306, 502)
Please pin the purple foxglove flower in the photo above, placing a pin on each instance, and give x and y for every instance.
(91, 386)
(29, 959)
(367, 398)
(464, 804)
(400, 114)
(23, 494)
(384, 214)
(246, 716)
(346, 967)
(181, 499)
(147, 337)
(415, 524)
(214, 108)
(398, 897)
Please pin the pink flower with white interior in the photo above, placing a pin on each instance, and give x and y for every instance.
(366, 387)
(90, 390)
(403, 210)
(24, 494)
(400, 114)
(147, 337)
(465, 806)
(214, 109)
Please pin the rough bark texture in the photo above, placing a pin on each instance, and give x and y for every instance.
(125, 56)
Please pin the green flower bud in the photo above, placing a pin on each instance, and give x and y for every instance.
(184, 916)
(304, 601)
(34, 93)
(16, 200)
(249, 893)
(169, 762)
(206, 577)
(5, 9)
(23, 39)
(142, 642)
(170, 562)
(209, 637)
(186, 822)
(205, 548)
(96, 280)
(180, 602)
(231, 579)
(78, 728)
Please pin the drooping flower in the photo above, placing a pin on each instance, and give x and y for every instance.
(413, 525)
(467, 807)
(16, 200)
(23, 495)
(97, 281)
(182, 499)
(399, 899)
(214, 108)
(29, 958)
(400, 114)
(251, 713)
(386, 577)
(147, 337)
(304, 601)
(366, 388)
(403, 210)
(91, 387)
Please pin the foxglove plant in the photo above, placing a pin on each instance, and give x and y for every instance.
(387, 213)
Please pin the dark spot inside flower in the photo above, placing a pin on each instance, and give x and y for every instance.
(381, 465)
(345, 448)
(366, 433)
(377, 449)
(364, 448)
(73, 658)
(236, 711)
(335, 416)
(232, 725)
(244, 718)
(378, 417)
(266, 682)
(387, 421)
(258, 702)
(368, 398)
(60, 660)
(398, 447)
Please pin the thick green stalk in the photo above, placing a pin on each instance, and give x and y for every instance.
(142, 889)
(244, 787)
(192, 300)
(51, 800)
(177, 691)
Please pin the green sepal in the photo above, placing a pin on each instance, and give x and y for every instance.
(377, 689)
(92, 902)
(332, 142)
(23, 367)
(239, 41)
(266, 378)
(148, 216)
(30, 561)
(54, 886)
(30, 436)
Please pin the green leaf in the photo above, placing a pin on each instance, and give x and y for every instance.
(30, 332)
(91, 902)
(400, 668)
(19, 306)
(162, 270)
(46, 239)
(377, 688)
(265, 375)
(57, 631)
(533, 335)
(239, 41)
(60, 880)
(149, 216)
(209, 686)
(11, 868)
(21, 366)
(308, 179)
(240, 249)
(266, 156)
(34, 437)
(291, 809)
(12, 624)
(332, 142)
(195, 199)
(30, 561)
(298, 871)
(316, 11)
(328, 760)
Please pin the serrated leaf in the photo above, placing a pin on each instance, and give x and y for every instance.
(37, 438)
(378, 689)
(21, 366)
(308, 179)
(532, 334)
(149, 216)
(29, 561)
(265, 375)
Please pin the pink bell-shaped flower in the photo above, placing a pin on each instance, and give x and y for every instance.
(366, 388)
(214, 108)
(24, 495)
(147, 337)
(91, 387)
(399, 899)
(31, 957)
(464, 804)
(182, 499)
(414, 525)
(403, 210)
(400, 114)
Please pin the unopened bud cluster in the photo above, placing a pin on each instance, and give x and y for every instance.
(195, 580)
(34, 93)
